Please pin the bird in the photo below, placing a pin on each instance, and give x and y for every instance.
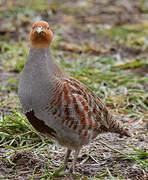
(57, 105)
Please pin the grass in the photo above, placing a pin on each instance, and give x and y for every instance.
(140, 156)
(131, 35)
(120, 82)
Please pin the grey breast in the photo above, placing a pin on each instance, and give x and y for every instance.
(36, 84)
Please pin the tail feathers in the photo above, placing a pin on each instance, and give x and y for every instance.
(117, 128)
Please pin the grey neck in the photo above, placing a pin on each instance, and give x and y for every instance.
(39, 79)
(42, 58)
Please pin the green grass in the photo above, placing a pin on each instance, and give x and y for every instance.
(140, 156)
(122, 83)
(133, 35)
(17, 134)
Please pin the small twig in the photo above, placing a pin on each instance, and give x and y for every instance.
(115, 149)
(94, 159)
(84, 160)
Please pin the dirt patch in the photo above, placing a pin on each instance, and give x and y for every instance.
(77, 29)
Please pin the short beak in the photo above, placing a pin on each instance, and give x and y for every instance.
(39, 29)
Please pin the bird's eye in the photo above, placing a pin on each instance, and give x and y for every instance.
(48, 28)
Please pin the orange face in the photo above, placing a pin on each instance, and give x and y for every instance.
(41, 35)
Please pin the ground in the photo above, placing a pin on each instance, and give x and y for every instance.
(102, 43)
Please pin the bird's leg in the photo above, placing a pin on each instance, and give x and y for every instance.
(67, 156)
(72, 168)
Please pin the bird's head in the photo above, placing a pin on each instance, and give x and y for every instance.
(40, 35)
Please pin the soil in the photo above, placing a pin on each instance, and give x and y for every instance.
(78, 28)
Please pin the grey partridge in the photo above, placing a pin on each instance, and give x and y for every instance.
(58, 105)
